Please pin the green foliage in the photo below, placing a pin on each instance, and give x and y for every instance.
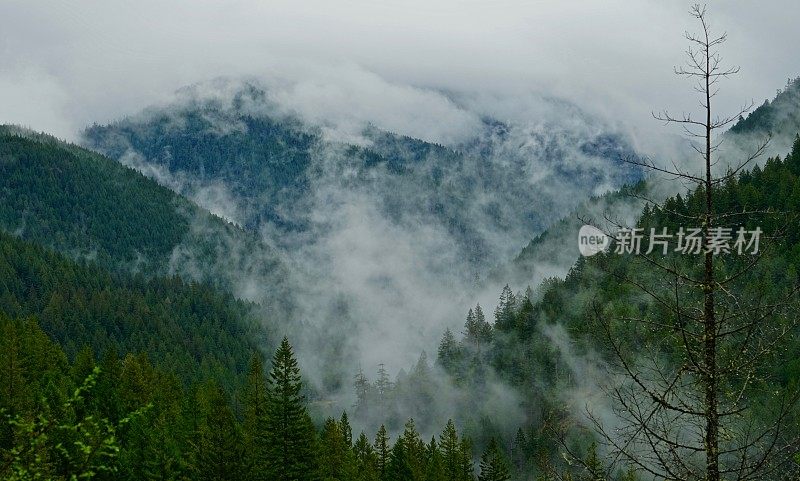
(366, 460)
(336, 458)
(192, 329)
(382, 453)
(91, 208)
(255, 428)
(63, 441)
(218, 444)
(71, 199)
(456, 455)
(291, 439)
(493, 464)
(780, 116)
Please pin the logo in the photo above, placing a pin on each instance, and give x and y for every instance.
(592, 240)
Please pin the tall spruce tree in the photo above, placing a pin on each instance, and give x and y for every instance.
(493, 464)
(414, 450)
(291, 435)
(398, 468)
(347, 430)
(382, 450)
(504, 312)
(256, 434)
(336, 460)
(218, 452)
(448, 354)
(434, 469)
(456, 459)
(366, 460)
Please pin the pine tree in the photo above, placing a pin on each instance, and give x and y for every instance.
(291, 437)
(414, 450)
(504, 312)
(382, 450)
(366, 461)
(593, 466)
(434, 469)
(363, 388)
(471, 328)
(493, 464)
(467, 469)
(218, 452)
(448, 352)
(519, 451)
(347, 430)
(484, 329)
(456, 457)
(336, 460)
(398, 468)
(383, 387)
(256, 436)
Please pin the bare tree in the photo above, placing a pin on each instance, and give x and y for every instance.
(685, 401)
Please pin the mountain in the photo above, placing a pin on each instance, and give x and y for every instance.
(92, 208)
(779, 117)
(190, 330)
(237, 152)
(98, 258)
(554, 251)
(104, 257)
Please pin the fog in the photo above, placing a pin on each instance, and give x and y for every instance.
(372, 287)
(63, 66)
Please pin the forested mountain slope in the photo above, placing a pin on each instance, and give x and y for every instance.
(779, 117)
(554, 344)
(90, 207)
(555, 250)
(188, 329)
(236, 152)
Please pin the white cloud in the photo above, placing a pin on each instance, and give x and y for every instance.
(32, 99)
(99, 60)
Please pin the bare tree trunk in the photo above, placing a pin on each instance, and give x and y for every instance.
(672, 416)
(709, 319)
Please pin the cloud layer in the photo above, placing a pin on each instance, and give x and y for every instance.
(65, 65)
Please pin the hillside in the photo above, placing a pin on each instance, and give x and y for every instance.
(779, 117)
(92, 208)
(241, 155)
(188, 329)
(554, 251)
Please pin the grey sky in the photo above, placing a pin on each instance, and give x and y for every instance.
(66, 64)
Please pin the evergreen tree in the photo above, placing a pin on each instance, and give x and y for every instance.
(256, 436)
(336, 460)
(504, 312)
(363, 388)
(593, 466)
(467, 469)
(347, 430)
(383, 387)
(398, 468)
(291, 437)
(484, 329)
(448, 353)
(382, 451)
(219, 453)
(471, 328)
(456, 458)
(366, 460)
(493, 465)
(434, 469)
(414, 450)
(519, 451)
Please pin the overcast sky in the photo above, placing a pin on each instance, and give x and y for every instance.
(66, 64)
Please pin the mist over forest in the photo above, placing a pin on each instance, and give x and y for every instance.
(289, 256)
